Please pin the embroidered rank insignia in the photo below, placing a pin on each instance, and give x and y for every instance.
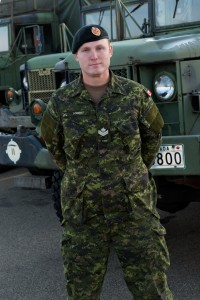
(103, 132)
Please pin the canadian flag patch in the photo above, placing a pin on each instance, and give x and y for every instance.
(149, 93)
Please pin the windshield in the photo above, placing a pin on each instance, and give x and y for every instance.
(4, 45)
(134, 15)
(173, 12)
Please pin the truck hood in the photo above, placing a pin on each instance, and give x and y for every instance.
(46, 61)
(160, 48)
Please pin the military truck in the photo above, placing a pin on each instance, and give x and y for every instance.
(156, 43)
(28, 29)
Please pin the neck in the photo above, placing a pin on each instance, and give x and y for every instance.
(96, 80)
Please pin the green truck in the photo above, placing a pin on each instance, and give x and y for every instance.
(28, 29)
(156, 43)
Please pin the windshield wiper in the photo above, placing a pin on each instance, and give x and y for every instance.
(136, 8)
(175, 9)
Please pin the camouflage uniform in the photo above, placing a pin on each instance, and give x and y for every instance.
(108, 195)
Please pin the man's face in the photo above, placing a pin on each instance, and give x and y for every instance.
(94, 57)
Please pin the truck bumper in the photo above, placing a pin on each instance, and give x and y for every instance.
(27, 151)
(191, 155)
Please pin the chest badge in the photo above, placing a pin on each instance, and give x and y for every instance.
(103, 131)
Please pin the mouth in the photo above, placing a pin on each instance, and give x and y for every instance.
(95, 65)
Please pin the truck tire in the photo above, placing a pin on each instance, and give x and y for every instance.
(40, 172)
(5, 169)
(56, 182)
(173, 198)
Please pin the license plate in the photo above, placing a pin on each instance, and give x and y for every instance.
(170, 156)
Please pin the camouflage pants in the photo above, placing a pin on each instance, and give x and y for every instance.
(141, 249)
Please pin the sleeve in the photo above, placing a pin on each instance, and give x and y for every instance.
(52, 133)
(150, 124)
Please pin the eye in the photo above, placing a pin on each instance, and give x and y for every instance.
(85, 50)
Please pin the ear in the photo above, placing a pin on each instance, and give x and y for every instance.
(76, 56)
(111, 50)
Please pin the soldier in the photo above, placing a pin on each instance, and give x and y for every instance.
(104, 132)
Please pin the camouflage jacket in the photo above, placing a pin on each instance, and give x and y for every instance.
(124, 129)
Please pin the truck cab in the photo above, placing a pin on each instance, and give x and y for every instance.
(27, 29)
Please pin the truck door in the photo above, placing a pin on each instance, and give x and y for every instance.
(31, 40)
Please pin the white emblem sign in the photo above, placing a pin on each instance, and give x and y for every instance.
(13, 151)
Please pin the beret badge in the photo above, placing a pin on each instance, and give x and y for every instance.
(96, 31)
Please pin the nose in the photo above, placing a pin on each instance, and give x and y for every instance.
(93, 54)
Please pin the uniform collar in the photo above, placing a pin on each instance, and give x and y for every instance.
(114, 86)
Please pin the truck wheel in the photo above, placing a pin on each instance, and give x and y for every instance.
(40, 172)
(56, 182)
(172, 197)
(5, 169)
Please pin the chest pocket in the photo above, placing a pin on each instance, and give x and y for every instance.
(125, 125)
(79, 131)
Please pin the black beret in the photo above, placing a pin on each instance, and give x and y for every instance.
(88, 33)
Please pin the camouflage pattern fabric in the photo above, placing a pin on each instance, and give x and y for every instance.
(108, 195)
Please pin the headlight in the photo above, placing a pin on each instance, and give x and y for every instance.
(37, 109)
(164, 86)
(25, 82)
(12, 95)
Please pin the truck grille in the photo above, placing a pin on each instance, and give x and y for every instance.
(120, 72)
(42, 84)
